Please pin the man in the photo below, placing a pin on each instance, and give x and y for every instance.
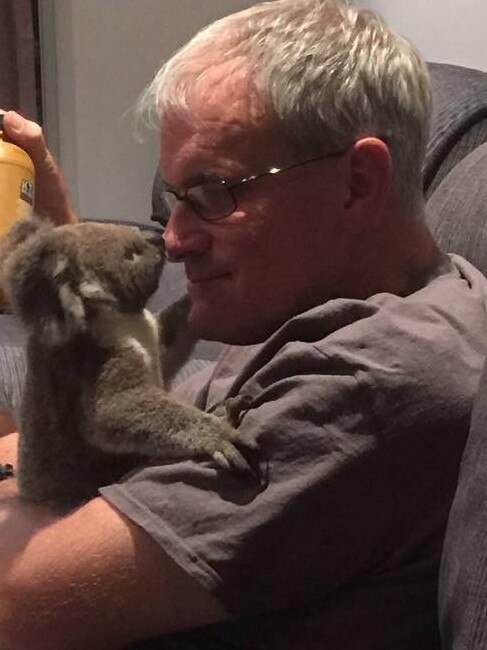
(292, 137)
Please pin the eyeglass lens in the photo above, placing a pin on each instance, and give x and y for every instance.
(209, 200)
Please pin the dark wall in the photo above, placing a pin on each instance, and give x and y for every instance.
(18, 62)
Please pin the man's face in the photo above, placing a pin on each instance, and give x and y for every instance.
(282, 251)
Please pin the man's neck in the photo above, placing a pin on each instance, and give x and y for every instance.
(398, 257)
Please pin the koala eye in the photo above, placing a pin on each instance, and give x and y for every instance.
(132, 254)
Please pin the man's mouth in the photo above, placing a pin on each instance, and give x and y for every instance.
(204, 279)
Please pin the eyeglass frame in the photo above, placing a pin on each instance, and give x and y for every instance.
(231, 185)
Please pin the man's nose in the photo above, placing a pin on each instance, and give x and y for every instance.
(185, 234)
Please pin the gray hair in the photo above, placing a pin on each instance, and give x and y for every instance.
(326, 72)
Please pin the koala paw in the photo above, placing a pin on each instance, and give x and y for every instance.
(227, 452)
(215, 437)
(230, 458)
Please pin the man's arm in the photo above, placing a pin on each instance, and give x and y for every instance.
(91, 579)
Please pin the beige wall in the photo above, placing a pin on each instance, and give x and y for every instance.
(106, 52)
(447, 31)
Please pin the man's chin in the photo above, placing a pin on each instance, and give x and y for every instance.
(208, 329)
(201, 322)
(224, 327)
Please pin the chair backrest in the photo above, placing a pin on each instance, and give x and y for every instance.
(457, 210)
(459, 120)
(457, 215)
(463, 573)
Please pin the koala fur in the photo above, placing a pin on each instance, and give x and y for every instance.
(95, 403)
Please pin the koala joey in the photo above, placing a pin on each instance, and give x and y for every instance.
(95, 403)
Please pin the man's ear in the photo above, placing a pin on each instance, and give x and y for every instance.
(369, 181)
(22, 231)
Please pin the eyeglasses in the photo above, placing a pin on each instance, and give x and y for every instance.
(214, 199)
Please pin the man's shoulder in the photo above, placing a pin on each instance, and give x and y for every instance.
(437, 331)
(452, 303)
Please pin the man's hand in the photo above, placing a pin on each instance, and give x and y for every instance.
(7, 423)
(8, 448)
(8, 455)
(51, 193)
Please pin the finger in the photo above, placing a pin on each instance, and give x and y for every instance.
(25, 134)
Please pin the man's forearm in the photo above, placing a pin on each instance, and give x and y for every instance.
(19, 522)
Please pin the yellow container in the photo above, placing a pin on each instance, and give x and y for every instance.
(16, 182)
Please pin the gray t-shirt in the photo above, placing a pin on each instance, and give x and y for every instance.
(360, 412)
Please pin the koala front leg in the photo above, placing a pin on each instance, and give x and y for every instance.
(148, 422)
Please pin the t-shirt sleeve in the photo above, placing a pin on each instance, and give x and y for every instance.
(318, 521)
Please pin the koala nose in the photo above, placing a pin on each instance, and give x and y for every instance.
(155, 239)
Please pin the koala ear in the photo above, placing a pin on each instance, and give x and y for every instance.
(74, 299)
(27, 226)
(71, 302)
(65, 313)
(21, 230)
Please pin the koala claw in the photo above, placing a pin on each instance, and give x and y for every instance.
(220, 459)
(230, 458)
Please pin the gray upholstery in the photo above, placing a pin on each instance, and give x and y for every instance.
(459, 120)
(458, 217)
(12, 362)
(463, 574)
(457, 210)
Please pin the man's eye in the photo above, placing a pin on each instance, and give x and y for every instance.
(169, 198)
(209, 199)
(200, 195)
